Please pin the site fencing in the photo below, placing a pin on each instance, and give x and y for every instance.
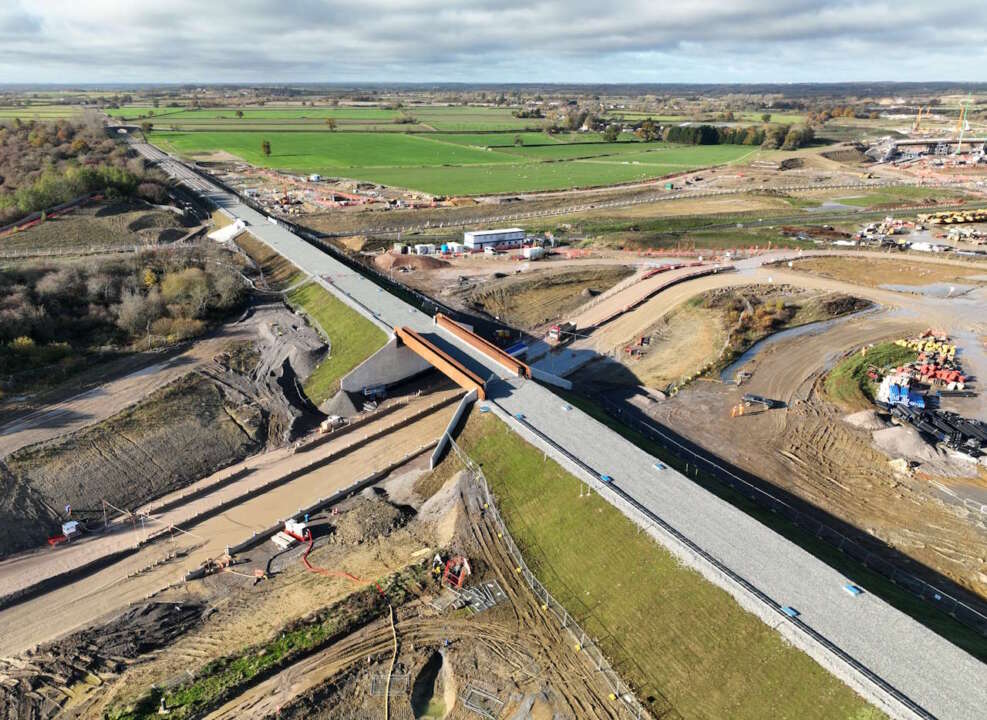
(620, 691)
(695, 462)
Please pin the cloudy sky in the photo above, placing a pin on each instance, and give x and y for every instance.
(75, 41)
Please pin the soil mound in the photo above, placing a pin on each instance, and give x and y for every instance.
(66, 663)
(865, 420)
(369, 517)
(392, 261)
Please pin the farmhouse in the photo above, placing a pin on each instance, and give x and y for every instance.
(482, 239)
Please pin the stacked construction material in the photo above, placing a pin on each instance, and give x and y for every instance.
(936, 363)
(957, 433)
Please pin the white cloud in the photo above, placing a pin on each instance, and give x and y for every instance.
(489, 40)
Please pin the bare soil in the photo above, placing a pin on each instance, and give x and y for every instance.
(874, 272)
(100, 227)
(533, 299)
(241, 400)
(809, 450)
(396, 261)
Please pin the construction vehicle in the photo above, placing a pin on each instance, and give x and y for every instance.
(561, 333)
(767, 403)
(456, 571)
(331, 423)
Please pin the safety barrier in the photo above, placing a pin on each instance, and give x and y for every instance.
(962, 611)
(321, 504)
(493, 352)
(854, 673)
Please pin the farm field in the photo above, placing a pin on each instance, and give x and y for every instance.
(440, 165)
(428, 118)
(38, 112)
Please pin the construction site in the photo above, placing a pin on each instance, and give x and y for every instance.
(714, 446)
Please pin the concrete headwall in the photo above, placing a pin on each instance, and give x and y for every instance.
(457, 417)
(388, 366)
(551, 379)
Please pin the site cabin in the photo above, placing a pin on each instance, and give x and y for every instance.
(533, 253)
(498, 239)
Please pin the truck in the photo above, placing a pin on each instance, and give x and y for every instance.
(561, 333)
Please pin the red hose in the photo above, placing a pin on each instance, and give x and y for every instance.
(323, 571)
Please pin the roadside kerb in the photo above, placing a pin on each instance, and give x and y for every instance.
(55, 581)
(310, 467)
(703, 272)
(857, 676)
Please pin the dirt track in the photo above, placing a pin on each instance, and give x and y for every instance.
(525, 639)
(76, 411)
(149, 570)
(25, 569)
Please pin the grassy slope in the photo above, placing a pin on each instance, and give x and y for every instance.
(279, 273)
(847, 384)
(674, 636)
(352, 338)
(901, 598)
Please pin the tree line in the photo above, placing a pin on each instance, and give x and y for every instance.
(43, 164)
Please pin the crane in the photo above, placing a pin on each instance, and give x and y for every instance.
(962, 124)
(917, 125)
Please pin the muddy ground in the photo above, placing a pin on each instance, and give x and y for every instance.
(808, 449)
(509, 658)
(533, 299)
(705, 333)
(246, 398)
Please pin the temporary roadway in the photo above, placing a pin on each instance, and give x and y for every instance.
(919, 673)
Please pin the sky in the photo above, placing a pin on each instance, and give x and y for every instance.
(489, 41)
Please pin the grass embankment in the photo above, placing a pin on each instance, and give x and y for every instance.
(225, 678)
(277, 272)
(352, 338)
(896, 595)
(684, 644)
(847, 384)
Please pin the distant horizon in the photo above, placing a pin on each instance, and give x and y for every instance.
(874, 85)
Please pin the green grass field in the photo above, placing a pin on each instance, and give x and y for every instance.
(352, 338)
(454, 164)
(685, 645)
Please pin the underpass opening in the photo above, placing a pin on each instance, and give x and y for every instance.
(442, 361)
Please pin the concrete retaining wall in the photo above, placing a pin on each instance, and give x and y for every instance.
(390, 365)
(443, 445)
(549, 378)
